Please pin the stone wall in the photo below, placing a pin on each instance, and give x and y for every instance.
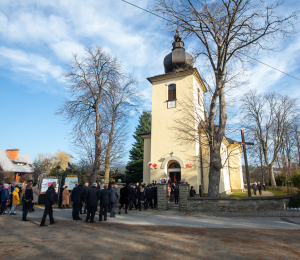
(162, 196)
(231, 204)
(184, 194)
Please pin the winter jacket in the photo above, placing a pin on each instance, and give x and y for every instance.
(176, 191)
(154, 190)
(86, 191)
(132, 193)
(65, 197)
(141, 194)
(5, 194)
(50, 197)
(113, 195)
(124, 194)
(15, 197)
(29, 197)
(104, 197)
(77, 195)
(149, 193)
(93, 196)
(192, 193)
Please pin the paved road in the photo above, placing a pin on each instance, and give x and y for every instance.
(171, 218)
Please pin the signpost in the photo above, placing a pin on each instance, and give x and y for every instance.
(46, 182)
(71, 181)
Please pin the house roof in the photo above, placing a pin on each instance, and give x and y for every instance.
(9, 165)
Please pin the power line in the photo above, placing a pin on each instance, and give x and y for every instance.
(243, 54)
(147, 11)
(271, 67)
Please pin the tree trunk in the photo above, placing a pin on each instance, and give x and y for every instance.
(271, 174)
(96, 166)
(107, 156)
(214, 173)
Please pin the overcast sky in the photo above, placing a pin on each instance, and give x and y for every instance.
(37, 39)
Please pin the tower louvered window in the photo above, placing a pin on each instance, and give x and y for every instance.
(172, 92)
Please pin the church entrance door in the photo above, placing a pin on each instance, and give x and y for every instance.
(174, 172)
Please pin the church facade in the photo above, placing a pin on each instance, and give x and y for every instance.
(165, 152)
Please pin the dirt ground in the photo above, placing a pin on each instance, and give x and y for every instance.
(102, 240)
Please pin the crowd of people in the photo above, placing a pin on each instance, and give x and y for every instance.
(11, 195)
(84, 200)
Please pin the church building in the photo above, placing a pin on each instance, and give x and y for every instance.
(164, 155)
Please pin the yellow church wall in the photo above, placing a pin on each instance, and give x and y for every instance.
(235, 166)
(162, 136)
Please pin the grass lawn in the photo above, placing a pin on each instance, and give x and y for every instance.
(240, 194)
(278, 192)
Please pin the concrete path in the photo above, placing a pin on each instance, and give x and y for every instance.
(171, 218)
(264, 194)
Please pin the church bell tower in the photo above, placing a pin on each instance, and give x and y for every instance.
(180, 82)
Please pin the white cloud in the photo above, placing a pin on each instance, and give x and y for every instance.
(36, 66)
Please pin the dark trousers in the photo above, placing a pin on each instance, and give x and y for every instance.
(3, 206)
(149, 203)
(85, 207)
(91, 210)
(176, 200)
(259, 191)
(103, 210)
(48, 211)
(75, 212)
(126, 207)
(25, 212)
(112, 209)
(155, 201)
(131, 203)
(254, 190)
(80, 207)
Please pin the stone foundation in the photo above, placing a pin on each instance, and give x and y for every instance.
(245, 204)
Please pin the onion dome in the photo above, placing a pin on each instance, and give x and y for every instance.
(178, 59)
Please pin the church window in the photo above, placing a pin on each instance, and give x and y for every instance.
(172, 92)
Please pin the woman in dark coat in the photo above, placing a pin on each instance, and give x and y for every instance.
(192, 192)
(124, 194)
(27, 203)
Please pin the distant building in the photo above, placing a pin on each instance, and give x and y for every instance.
(18, 166)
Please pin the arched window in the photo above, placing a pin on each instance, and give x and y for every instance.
(172, 92)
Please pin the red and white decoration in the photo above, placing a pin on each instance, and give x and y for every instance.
(154, 165)
(188, 165)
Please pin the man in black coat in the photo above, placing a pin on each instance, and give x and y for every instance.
(49, 203)
(104, 202)
(176, 195)
(86, 191)
(77, 197)
(154, 193)
(113, 200)
(132, 196)
(60, 196)
(124, 194)
(149, 196)
(92, 202)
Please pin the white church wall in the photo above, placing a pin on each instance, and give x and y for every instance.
(224, 178)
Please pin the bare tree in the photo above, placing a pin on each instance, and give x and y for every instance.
(86, 82)
(226, 30)
(121, 100)
(268, 117)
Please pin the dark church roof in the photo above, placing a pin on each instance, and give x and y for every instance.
(178, 59)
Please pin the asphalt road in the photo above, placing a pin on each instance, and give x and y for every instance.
(173, 218)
